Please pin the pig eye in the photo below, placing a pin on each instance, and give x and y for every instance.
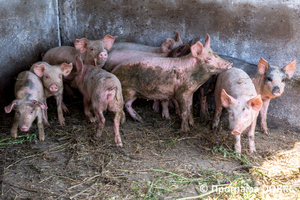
(18, 113)
(31, 112)
(270, 79)
(283, 80)
(92, 49)
(46, 76)
(59, 76)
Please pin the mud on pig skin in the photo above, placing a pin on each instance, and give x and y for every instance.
(166, 47)
(166, 78)
(101, 91)
(29, 104)
(52, 78)
(235, 91)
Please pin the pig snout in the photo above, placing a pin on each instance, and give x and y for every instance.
(103, 56)
(235, 132)
(24, 128)
(53, 88)
(276, 91)
(229, 66)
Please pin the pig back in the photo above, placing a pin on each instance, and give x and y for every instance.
(28, 86)
(236, 83)
(59, 55)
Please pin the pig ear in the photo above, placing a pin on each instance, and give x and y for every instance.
(66, 68)
(168, 45)
(79, 64)
(207, 41)
(226, 99)
(80, 44)
(255, 103)
(197, 49)
(262, 66)
(290, 68)
(40, 104)
(109, 41)
(177, 37)
(39, 69)
(11, 106)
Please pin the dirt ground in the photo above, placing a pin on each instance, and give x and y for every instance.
(158, 161)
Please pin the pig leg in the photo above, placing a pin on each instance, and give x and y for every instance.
(59, 110)
(237, 144)
(203, 104)
(176, 106)
(87, 109)
(14, 128)
(123, 118)
(117, 120)
(131, 111)
(101, 123)
(40, 125)
(190, 110)
(183, 104)
(64, 107)
(155, 105)
(165, 109)
(45, 117)
(251, 131)
(263, 116)
(218, 112)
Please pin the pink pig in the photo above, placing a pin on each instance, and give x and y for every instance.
(52, 78)
(29, 104)
(167, 78)
(101, 91)
(235, 91)
(166, 47)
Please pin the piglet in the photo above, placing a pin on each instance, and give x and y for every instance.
(101, 91)
(52, 78)
(235, 91)
(29, 104)
(270, 82)
(166, 47)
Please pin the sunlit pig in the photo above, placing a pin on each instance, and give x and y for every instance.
(52, 78)
(270, 82)
(167, 78)
(166, 47)
(235, 91)
(101, 91)
(29, 104)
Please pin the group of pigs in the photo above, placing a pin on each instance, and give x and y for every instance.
(110, 75)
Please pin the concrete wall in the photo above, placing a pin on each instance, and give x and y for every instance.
(244, 29)
(27, 28)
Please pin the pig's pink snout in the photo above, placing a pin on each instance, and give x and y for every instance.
(229, 66)
(103, 56)
(53, 88)
(235, 132)
(276, 91)
(24, 128)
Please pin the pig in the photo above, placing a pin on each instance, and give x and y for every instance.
(166, 78)
(270, 82)
(101, 91)
(92, 52)
(29, 104)
(52, 78)
(236, 92)
(166, 47)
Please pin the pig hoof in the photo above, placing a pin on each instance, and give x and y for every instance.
(119, 144)
(41, 138)
(92, 119)
(62, 123)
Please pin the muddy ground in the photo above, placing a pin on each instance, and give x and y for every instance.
(158, 161)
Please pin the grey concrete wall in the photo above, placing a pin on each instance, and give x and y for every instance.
(27, 28)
